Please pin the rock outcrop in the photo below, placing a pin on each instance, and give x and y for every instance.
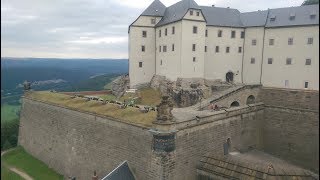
(120, 85)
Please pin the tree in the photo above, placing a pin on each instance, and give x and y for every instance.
(309, 2)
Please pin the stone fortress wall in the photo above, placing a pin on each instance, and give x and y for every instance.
(77, 143)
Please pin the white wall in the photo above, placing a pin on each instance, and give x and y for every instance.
(218, 64)
(170, 67)
(252, 72)
(275, 74)
(144, 74)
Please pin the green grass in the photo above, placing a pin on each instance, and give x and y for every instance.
(6, 174)
(20, 159)
(9, 112)
(108, 97)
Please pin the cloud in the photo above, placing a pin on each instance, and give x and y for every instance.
(85, 28)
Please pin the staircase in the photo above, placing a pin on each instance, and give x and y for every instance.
(218, 95)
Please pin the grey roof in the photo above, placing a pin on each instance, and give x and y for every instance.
(176, 11)
(254, 19)
(217, 16)
(302, 16)
(156, 8)
(122, 172)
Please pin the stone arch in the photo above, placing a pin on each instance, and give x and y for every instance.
(251, 99)
(235, 104)
(229, 76)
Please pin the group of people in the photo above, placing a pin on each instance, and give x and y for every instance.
(213, 107)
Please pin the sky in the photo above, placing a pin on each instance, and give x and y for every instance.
(86, 28)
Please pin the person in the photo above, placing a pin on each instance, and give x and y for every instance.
(94, 177)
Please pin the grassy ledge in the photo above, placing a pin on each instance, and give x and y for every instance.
(129, 114)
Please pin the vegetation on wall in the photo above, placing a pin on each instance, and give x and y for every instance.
(309, 2)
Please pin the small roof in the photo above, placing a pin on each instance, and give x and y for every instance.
(217, 16)
(302, 16)
(251, 165)
(254, 19)
(156, 8)
(177, 11)
(120, 173)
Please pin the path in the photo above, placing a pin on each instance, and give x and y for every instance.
(17, 171)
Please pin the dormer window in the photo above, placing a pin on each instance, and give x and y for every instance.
(292, 16)
(313, 15)
(191, 12)
(272, 18)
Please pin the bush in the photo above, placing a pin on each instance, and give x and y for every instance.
(9, 134)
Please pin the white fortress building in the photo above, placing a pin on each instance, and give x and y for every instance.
(275, 47)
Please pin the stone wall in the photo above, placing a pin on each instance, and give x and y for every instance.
(291, 125)
(75, 143)
(194, 142)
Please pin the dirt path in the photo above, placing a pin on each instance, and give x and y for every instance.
(17, 171)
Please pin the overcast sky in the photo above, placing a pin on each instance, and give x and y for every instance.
(86, 28)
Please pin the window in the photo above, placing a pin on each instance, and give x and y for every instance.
(193, 47)
(161, 62)
(194, 59)
(159, 48)
(198, 13)
(242, 34)
(195, 29)
(165, 31)
(172, 47)
(308, 62)
(270, 60)
(292, 17)
(313, 16)
(164, 48)
(206, 33)
(288, 61)
(159, 33)
(286, 83)
(253, 61)
(205, 48)
(173, 30)
(239, 49)
(271, 42)
(191, 12)
(143, 48)
(220, 33)
(310, 40)
(153, 21)
(290, 41)
(272, 18)
(254, 42)
(144, 33)
(227, 49)
(217, 49)
(306, 84)
(233, 34)
(140, 64)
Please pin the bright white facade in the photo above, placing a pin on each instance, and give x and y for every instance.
(275, 48)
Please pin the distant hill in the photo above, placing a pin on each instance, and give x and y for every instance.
(58, 74)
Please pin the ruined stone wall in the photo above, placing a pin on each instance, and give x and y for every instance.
(291, 125)
(194, 142)
(75, 143)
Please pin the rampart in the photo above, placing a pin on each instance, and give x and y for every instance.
(291, 125)
(76, 143)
